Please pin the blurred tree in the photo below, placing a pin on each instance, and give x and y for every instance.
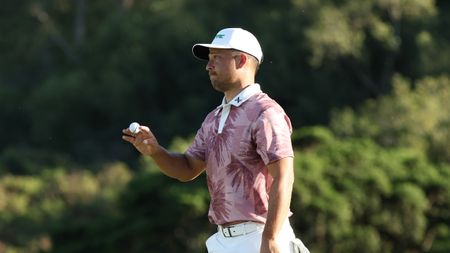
(352, 195)
(33, 207)
(395, 143)
(154, 214)
(74, 73)
(409, 117)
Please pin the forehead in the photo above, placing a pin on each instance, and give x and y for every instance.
(220, 51)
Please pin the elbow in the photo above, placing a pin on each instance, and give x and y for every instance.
(185, 179)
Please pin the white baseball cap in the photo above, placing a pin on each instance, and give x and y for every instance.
(231, 38)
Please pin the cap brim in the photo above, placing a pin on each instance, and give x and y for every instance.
(201, 51)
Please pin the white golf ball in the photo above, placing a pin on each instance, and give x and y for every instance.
(134, 127)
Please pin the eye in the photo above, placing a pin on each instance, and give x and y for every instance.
(213, 57)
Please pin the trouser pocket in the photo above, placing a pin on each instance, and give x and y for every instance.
(298, 246)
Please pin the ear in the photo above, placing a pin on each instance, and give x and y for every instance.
(241, 60)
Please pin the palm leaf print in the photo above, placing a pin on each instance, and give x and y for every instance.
(221, 144)
(241, 175)
(219, 204)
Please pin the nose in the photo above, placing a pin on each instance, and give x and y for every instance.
(209, 65)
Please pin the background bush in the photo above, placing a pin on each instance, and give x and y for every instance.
(365, 83)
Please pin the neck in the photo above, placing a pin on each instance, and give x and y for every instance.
(229, 95)
(242, 84)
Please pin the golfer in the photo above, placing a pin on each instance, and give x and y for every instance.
(244, 146)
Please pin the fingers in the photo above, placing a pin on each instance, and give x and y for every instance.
(144, 128)
(140, 128)
(143, 140)
(142, 136)
(128, 138)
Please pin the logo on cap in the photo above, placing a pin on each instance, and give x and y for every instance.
(230, 38)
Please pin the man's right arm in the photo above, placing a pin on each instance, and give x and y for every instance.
(180, 166)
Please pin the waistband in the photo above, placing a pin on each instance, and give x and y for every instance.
(239, 229)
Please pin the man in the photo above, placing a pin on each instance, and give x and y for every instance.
(245, 148)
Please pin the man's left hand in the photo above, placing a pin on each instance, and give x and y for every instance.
(269, 246)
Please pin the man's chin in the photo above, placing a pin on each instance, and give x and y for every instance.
(214, 81)
(216, 86)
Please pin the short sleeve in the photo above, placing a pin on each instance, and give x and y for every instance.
(272, 133)
(197, 149)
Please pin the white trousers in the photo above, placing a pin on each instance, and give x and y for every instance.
(251, 243)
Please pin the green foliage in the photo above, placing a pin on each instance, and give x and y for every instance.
(179, 212)
(31, 207)
(409, 117)
(353, 195)
(74, 73)
(380, 168)
(152, 214)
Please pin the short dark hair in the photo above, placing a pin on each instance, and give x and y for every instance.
(254, 60)
(251, 57)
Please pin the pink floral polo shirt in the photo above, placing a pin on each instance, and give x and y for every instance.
(237, 141)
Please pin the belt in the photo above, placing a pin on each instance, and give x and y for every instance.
(239, 229)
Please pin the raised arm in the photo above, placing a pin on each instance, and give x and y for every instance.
(175, 165)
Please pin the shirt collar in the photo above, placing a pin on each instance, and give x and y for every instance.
(245, 94)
